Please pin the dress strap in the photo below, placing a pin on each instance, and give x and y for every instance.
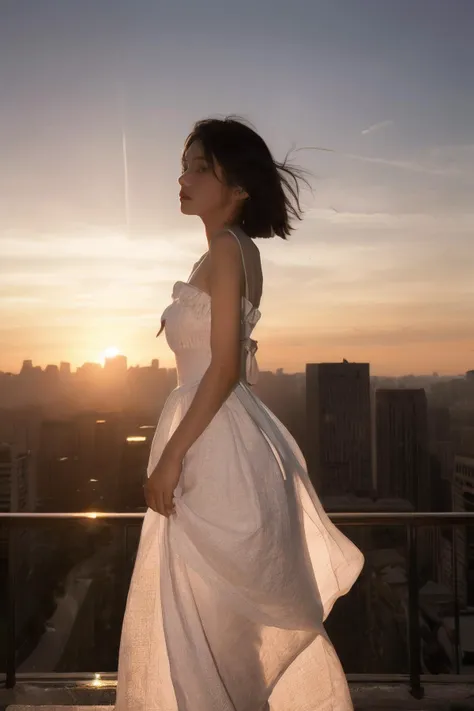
(249, 367)
(197, 267)
(243, 261)
(227, 229)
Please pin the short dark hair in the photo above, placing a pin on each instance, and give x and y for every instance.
(247, 162)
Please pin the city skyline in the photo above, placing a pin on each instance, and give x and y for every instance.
(107, 358)
(95, 108)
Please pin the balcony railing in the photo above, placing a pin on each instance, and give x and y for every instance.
(411, 524)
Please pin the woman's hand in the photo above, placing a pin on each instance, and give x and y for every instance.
(162, 482)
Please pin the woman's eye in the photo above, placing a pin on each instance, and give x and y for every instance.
(201, 169)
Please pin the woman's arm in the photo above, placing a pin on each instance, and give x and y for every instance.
(226, 273)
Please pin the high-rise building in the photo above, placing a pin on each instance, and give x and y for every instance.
(402, 446)
(109, 434)
(65, 369)
(58, 466)
(339, 428)
(439, 424)
(147, 389)
(403, 459)
(463, 500)
(29, 552)
(116, 366)
(13, 479)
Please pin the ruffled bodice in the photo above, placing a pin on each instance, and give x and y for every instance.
(187, 325)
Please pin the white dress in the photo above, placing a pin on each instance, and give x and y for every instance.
(228, 596)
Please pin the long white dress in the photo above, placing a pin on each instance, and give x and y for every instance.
(228, 596)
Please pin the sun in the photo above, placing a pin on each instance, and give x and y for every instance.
(109, 352)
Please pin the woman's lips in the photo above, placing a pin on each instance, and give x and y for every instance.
(183, 196)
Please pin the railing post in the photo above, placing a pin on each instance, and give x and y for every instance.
(124, 576)
(416, 689)
(11, 611)
(457, 636)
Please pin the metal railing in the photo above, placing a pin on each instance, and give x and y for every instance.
(412, 521)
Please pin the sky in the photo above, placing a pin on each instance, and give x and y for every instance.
(381, 268)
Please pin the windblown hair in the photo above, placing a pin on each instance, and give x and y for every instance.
(246, 161)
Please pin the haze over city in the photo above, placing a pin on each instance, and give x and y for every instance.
(95, 109)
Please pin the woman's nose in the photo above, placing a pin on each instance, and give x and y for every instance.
(183, 179)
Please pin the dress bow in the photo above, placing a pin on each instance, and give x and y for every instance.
(251, 366)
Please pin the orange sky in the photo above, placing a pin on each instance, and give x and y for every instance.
(322, 302)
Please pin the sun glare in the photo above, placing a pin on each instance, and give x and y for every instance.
(110, 352)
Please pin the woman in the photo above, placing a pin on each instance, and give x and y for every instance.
(238, 565)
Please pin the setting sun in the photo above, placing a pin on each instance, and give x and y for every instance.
(110, 352)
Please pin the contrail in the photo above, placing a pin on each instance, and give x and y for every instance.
(402, 165)
(377, 126)
(126, 181)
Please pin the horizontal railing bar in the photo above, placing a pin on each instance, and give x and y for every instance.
(429, 518)
(363, 678)
(27, 515)
(393, 518)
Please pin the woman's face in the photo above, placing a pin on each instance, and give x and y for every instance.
(202, 193)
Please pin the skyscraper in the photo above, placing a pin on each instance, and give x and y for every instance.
(402, 446)
(463, 500)
(339, 426)
(14, 480)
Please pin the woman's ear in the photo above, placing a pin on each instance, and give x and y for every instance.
(242, 194)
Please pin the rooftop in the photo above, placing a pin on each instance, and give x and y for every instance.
(68, 695)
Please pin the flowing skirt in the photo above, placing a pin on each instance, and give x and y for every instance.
(228, 596)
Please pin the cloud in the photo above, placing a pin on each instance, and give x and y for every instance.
(377, 126)
(88, 270)
(369, 336)
(460, 223)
